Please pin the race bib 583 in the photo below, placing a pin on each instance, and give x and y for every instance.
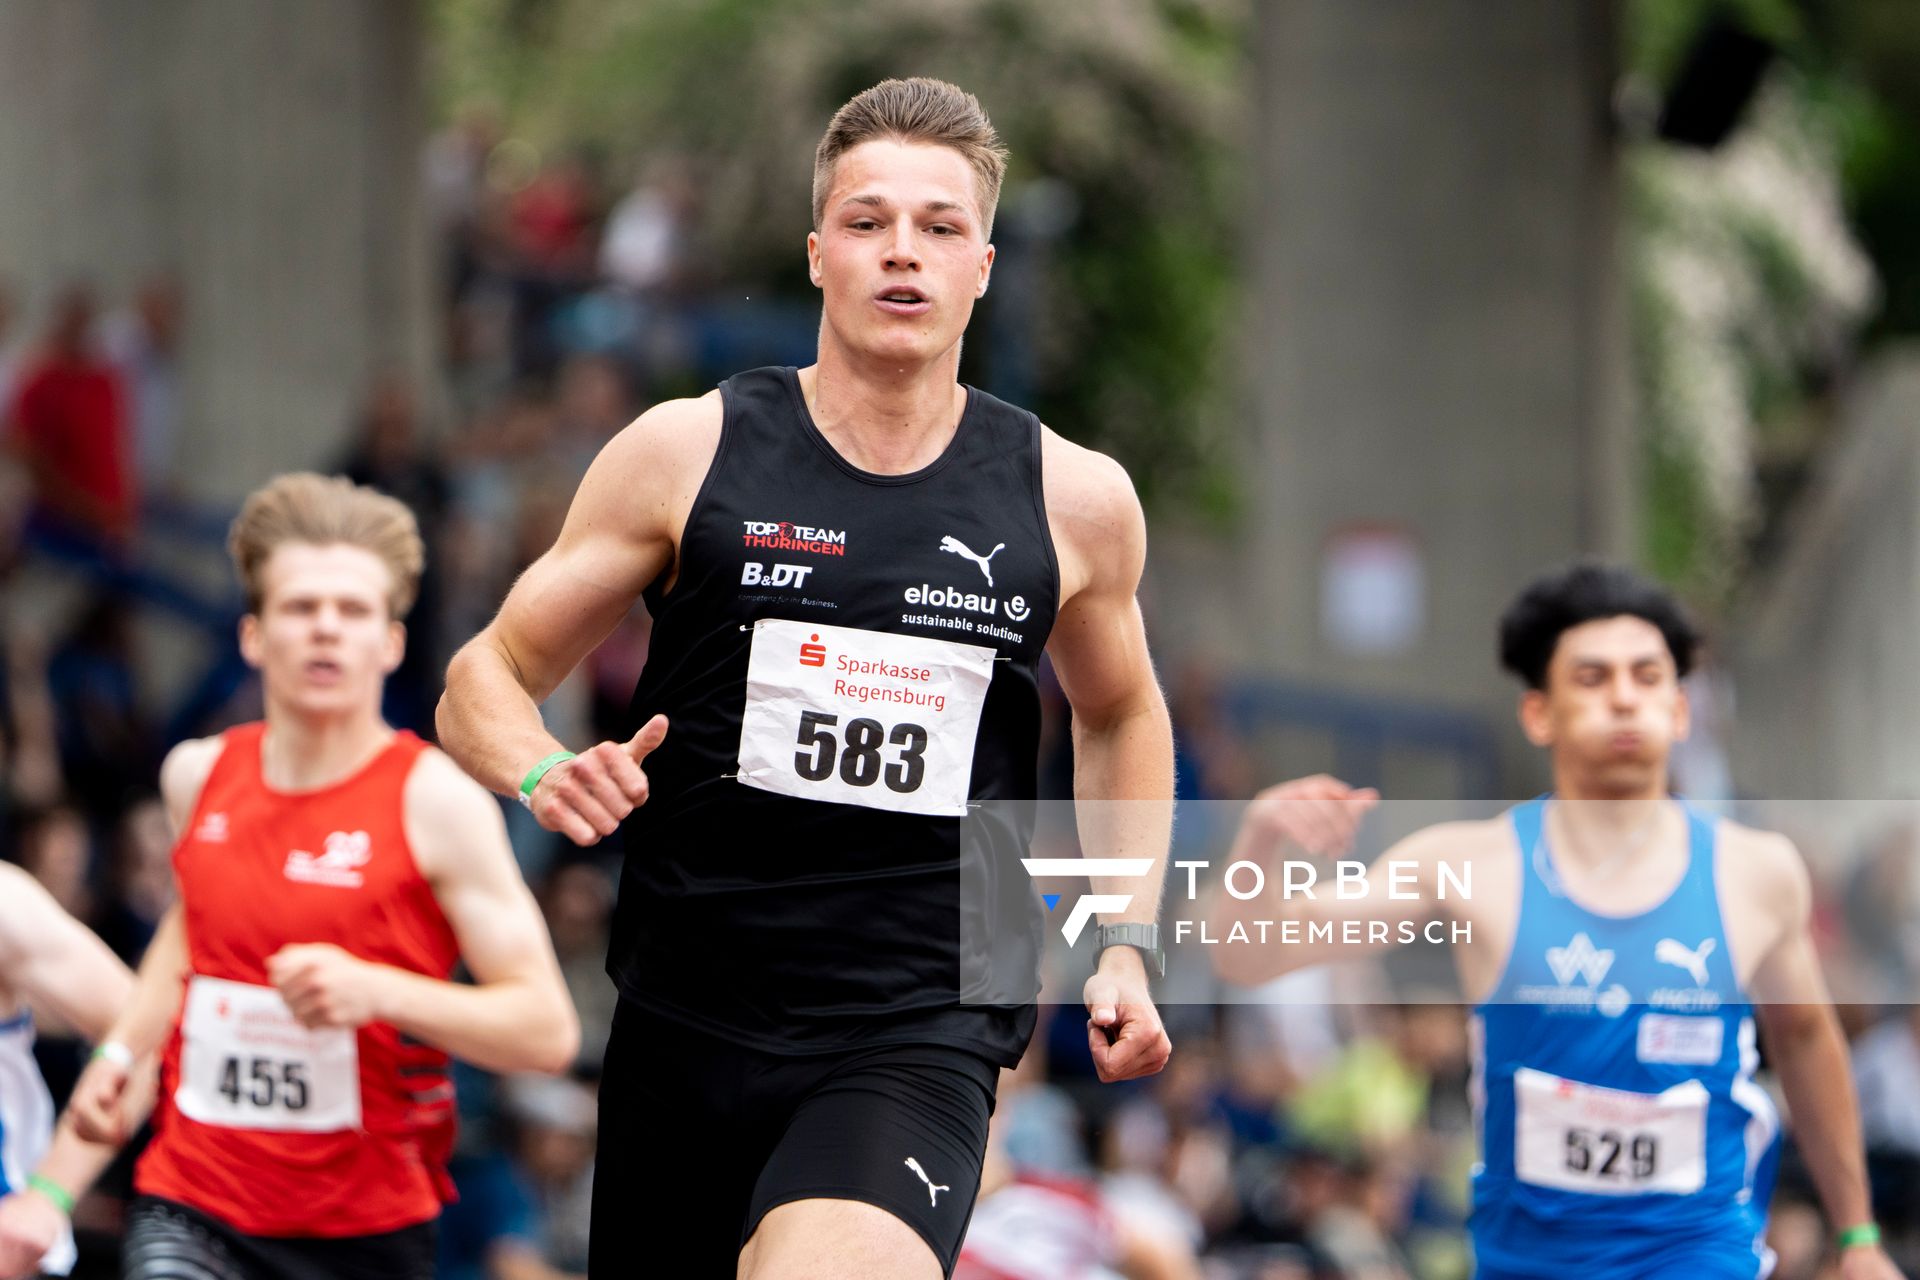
(862, 717)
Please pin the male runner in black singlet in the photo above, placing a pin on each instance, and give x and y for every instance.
(853, 571)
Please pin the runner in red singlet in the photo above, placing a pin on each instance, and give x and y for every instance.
(331, 872)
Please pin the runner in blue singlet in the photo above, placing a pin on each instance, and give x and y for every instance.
(1624, 955)
(1631, 1112)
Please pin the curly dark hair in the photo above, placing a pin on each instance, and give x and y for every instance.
(1586, 591)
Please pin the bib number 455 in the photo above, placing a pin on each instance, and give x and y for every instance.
(263, 1083)
(859, 760)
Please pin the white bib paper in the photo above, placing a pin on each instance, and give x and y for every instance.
(1581, 1137)
(247, 1063)
(862, 717)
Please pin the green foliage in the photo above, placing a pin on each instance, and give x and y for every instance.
(1747, 288)
(1134, 105)
(1657, 33)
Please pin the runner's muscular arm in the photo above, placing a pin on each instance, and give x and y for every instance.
(1804, 1039)
(1122, 736)
(55, 963)
(620, 534)
(103, 1108)
(1261, 832)
(30, 1222)
(517, 1016)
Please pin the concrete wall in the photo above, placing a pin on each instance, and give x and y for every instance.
(267, 154)
(1822, 651)
(1435, 337)
(1435, 332)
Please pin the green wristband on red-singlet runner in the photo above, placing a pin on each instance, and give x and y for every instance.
(1865, 1233)
(538, 772)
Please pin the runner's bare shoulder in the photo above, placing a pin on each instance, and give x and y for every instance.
(1094, 515)
(673, 441)
(447, 814)
(184, 773)
(1763, 869)
(439, 787)
(1082, 484)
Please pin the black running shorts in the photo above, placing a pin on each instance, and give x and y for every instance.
(700, 1138)
(168, 1241)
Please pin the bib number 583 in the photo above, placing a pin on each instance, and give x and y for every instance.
(859, 759)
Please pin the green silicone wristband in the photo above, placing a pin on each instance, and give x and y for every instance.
(538, 772)
(1865, 1233)
(62, 1200)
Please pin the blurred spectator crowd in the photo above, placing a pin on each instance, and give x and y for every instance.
(1288, 1139)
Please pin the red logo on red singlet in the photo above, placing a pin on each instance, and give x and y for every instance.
(813, 655)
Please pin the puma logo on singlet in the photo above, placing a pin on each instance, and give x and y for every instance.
(933, 1192)
(960, 548)
(1692, 959)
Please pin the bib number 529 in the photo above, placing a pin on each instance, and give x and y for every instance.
(859, 759)
(1600, 1154)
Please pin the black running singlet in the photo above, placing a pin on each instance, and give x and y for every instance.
(849, 664)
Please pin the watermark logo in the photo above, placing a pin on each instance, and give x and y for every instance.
(1088, 903)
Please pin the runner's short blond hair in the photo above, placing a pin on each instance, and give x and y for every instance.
(916, 110)
(304, 506)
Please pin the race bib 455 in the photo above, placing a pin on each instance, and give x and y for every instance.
(247, 1063)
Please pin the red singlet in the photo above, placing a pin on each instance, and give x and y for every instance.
(272, 1129)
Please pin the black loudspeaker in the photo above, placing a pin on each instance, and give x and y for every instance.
(1716, 82)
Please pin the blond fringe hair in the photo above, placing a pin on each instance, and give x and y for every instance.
(916, 110)
(324, 511)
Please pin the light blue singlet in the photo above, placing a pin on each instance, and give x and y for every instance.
(26, 1123)
(1621, 1132)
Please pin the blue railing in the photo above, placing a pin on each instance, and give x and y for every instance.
(1364, 728)
(136, 578)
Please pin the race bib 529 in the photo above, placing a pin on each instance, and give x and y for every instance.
(1582, 1137)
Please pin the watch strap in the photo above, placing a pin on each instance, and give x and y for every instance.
(1144, 938)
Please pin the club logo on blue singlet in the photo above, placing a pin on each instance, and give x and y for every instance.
(1581, 960)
